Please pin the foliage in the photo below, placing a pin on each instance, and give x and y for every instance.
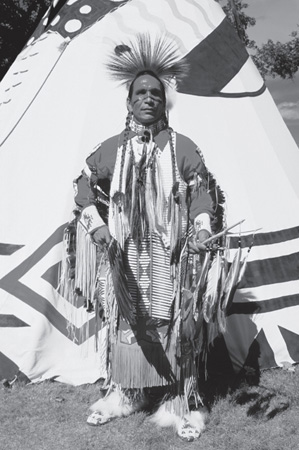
(273, 58)
(234, 9)
(18, 20)
(277, 59)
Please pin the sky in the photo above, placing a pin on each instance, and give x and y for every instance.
(276, 19)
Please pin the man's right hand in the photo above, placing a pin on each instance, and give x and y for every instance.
(101, 237)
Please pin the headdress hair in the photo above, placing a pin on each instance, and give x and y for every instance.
(159, 57)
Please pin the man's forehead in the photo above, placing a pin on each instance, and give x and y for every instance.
(147, 81)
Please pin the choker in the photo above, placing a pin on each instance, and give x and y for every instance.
(153, 129)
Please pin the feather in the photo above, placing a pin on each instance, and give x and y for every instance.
(124, 300)
(243, 265)
(117, 204)
(211, 295)
(236, 279)
(202, 278)
(220, 316)
(231, 281)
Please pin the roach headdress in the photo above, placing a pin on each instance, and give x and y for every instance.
(160, 57)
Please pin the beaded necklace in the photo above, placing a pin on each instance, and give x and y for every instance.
(145, 130)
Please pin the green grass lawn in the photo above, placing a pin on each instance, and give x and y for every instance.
(51, 416)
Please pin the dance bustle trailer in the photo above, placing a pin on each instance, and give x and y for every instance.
(57, 103)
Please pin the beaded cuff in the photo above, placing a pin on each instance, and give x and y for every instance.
(202, 222)
(90, 219)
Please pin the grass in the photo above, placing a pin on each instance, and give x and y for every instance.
(51, 416)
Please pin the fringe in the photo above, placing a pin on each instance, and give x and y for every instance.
(174, 323)
(111, 308)
(176, 405)
(66, 281)
(86, 263)
(117, 266)
(160, 200)
(71, 313)
(175, 220)
(121, 224)
(67, 268)
(151, 200)
(188, 329)
(130, 181)
(66, 286)
(106, 316)
(165, 415)
(138, 370)
(100, 297)
(179, 405)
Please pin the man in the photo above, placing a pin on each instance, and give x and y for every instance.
(145, 205)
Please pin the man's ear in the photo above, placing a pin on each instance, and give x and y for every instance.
(129, 106)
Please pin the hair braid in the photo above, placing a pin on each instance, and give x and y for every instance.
(123, 154)
(172, 152)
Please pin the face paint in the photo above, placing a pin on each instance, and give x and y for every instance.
(147, 100)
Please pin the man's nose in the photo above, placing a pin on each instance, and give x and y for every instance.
(149, 99)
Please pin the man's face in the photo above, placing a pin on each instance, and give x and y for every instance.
(147, 100)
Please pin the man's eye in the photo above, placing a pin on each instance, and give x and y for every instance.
(156, 93)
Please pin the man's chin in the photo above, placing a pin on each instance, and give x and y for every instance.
(148, 119)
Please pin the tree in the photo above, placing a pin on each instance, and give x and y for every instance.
(18, 20)
(234, 9)
(278, 60)
(273, 58)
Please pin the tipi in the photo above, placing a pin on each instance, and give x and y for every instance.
(57, 104)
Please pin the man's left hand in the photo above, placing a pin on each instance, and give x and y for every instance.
(196, 245)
